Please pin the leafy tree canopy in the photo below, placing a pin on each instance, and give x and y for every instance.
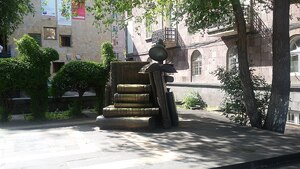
(198, 15)
(12, 13)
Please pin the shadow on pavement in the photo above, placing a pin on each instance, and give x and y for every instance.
(208, 141)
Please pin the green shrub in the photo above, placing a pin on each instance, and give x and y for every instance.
(4, 114)
(30, 72)
(57, 115)
(37, 74)
(75, 109)
(233, 104)
(193, 99)
(13, 73)
(107, 54)
(80, 76)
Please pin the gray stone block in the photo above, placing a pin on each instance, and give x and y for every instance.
(125, 123)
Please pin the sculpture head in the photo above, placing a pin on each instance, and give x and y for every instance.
(158, 52)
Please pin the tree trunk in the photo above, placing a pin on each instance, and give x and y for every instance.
(280, 92)
(247, 86)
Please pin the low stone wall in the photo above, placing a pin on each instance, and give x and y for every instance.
(22, 105)
(213, 95)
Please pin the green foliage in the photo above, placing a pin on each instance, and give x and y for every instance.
(12, 75)
(193, 99)
(107, 54)
(200, 14)
(233, 104)
(81, 76)
(57, 115)
(38, 73)
(78, 76)
(75, 109)
(12, 13)
(4, 114)
(30, 72)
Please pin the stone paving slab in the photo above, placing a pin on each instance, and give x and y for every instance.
(203, 140)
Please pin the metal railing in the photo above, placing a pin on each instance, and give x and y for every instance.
(252, 19)
(227, 23)
(166, 34)
(259, 25)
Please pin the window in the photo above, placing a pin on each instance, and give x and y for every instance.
(37, 37)
(295, 54)
(291, 117)
(196, 63)
(117, 55)
(232, 58)
(49, 33)
(65, 40)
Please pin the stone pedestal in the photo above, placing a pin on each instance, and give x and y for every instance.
(125, 123)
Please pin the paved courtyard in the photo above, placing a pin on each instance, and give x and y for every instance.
(203, 140)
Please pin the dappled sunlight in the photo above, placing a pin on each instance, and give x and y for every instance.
(198, 142)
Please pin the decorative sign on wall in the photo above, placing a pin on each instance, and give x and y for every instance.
(78, 10)
(64, 12)
(48, 7)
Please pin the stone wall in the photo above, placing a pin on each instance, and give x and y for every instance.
(214, 50)
(86, 38)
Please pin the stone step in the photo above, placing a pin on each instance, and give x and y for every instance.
(133, 88)
(126, 123)
(131, 98)
(133, 105)
(111, 111)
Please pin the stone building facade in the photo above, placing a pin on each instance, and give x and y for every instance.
(195, 56)
(74, 37)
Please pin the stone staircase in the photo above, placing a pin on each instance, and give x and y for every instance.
(131, 100)
(137, 97)
(126, 87)
(132, 108)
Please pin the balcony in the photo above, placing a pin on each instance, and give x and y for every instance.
(226, 26)
(168, 35)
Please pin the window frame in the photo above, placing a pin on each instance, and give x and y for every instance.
(295, 42)
(61, 40)
(196, 63)
(232, 53)
(55, 32)
(34, 36)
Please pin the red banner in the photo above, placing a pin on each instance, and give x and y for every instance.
(78, 10)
